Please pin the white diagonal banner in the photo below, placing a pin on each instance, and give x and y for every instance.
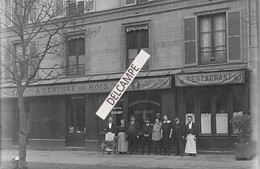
(122, 84)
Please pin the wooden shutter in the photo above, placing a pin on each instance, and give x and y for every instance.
(33, 12)
(90, 5)
(130, 2)
(59, 7)
(142, 1)
(7, 60)
(190, 44)
(33, 56)
(80, 7)
(234, 36)
(8, 12)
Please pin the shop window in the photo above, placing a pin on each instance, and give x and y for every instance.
(137, 39)
(76, 56)
(77, 115)
(237, 92)
(205, 113)
(143, 105)
(221, 112)
(212, 39)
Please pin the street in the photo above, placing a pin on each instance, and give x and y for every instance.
(94, 160)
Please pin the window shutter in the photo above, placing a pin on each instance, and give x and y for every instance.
(130, 2)
(142, 1)
(190, 40)
(8, 12)
(33, 56)
(80, 7)
(33, 12)
(59, 7)
(90, 5)
(234, 36)
(7, 60)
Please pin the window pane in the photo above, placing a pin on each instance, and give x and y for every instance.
(143, 39)
(205, 112)
(221, 112)
(132, 53)
(205, 24)
(132, 39)
(219, 22)
(72, 60)
(238, 96)
(72, 47)
(81, 46)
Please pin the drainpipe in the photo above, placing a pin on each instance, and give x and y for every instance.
(258, 72)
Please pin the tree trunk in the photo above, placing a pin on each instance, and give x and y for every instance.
(22, 131)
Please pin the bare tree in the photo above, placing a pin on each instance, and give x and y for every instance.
(32, 21)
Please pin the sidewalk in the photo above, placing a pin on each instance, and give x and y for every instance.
(87, 159)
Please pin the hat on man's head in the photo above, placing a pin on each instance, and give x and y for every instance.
(132, 116)
(147, 120)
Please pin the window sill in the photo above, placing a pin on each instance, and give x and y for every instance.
(205, 135)
(221, 134)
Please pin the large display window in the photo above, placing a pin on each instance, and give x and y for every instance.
(144, 104)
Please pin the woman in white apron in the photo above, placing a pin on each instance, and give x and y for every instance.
(110, 132)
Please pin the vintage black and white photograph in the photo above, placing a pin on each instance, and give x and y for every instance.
(129, 84)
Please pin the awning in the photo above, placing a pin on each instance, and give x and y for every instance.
(210, 78)
(103, 83)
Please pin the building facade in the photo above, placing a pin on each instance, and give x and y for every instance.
(198, 66)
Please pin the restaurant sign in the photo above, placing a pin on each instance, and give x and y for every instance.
(210, 78)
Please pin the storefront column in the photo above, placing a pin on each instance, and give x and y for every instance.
(181, 103)
(91, 141)
(168, 103)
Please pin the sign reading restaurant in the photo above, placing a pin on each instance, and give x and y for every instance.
(210, 78)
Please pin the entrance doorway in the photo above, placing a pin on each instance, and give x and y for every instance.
(76, 124)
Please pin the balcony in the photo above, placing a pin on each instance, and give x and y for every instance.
(213, 57)
(73, 70)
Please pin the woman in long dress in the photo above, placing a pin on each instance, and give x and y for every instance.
(166, 134)
(156, 136)
(122, 142)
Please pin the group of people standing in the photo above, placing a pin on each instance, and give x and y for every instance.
(160, 134)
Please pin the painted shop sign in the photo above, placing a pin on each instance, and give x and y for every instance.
(212, 78)
(89, 87)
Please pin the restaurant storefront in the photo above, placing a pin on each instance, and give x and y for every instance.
(213, 98)
(63, 114)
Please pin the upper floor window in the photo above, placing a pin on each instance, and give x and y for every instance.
(212, 39)
(77, 7)
(133, 2)
(137, 38)
(19, 11)
(76, 56)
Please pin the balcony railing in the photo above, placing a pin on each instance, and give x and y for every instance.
(213, 57)
(76, 69)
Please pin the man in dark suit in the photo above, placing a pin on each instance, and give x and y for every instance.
(147, 131)
(132, 134)
(191, 137)
(178, 136)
